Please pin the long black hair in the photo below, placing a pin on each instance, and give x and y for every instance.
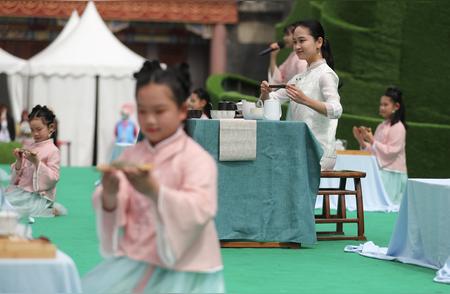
(316, 30)
(47, 116)
(396, 96)
(203, 95)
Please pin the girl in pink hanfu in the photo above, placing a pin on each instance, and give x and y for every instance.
(36, 171)
(388, 143)
(156, 227)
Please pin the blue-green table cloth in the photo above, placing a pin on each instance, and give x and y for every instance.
(270, 199)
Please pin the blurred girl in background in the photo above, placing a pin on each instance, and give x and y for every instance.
(389, 142)
(200, 100)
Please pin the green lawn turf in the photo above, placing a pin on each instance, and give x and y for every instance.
(320, 268)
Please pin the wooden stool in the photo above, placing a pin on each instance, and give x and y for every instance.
(341, 215)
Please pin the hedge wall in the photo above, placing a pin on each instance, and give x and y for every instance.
(377, 43)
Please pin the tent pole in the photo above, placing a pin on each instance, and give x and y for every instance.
(94, 157)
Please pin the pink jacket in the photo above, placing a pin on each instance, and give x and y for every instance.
(42, 179)
(389, 146)
(288, 69)
(178, 231)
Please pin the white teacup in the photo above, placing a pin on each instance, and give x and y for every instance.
(8, 222)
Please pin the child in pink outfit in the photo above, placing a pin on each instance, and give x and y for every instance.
(388, 144)
(36, 171)
(156, 227)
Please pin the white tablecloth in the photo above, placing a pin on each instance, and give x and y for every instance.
(58, 275)
(375, 197)
(421, 235)
(422, 232)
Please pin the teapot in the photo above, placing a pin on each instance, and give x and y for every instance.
(272, 109)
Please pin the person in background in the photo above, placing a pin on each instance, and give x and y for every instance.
(35, 173)
(313, 95)
(7, 125)
(156, 224)
(291, 66)
(389, 143)
(126, 130)
(200, 100)
(23, 129)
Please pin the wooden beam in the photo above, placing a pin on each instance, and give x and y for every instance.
(179, 11)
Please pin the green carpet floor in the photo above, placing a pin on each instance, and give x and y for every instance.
(321, 268)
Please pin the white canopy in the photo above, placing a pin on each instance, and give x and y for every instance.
(65, 80)
(90, 49)
(11, 66)
(9, 63)
(70, 25)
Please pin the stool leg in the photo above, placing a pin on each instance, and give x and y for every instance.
(360, 209)
(326, 206)
(341, 208)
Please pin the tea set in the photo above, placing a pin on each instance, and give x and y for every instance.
(270, 109)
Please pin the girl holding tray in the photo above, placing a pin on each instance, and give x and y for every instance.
(156, 225)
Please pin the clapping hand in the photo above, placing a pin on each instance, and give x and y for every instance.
(367, 134)
(363, 135)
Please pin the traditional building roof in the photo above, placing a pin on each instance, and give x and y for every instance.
(183, 11)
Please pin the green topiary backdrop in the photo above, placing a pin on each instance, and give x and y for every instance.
(376, 44)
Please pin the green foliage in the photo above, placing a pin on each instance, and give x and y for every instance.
(6, 149)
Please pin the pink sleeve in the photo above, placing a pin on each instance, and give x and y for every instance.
(183, 213)
(388, 150)
(276, 77)
(47, 173)
(15, 174)
(109, 223)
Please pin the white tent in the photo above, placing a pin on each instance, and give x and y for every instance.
(89, 60)
(17, 70)
(70, 25)
(12, 66)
